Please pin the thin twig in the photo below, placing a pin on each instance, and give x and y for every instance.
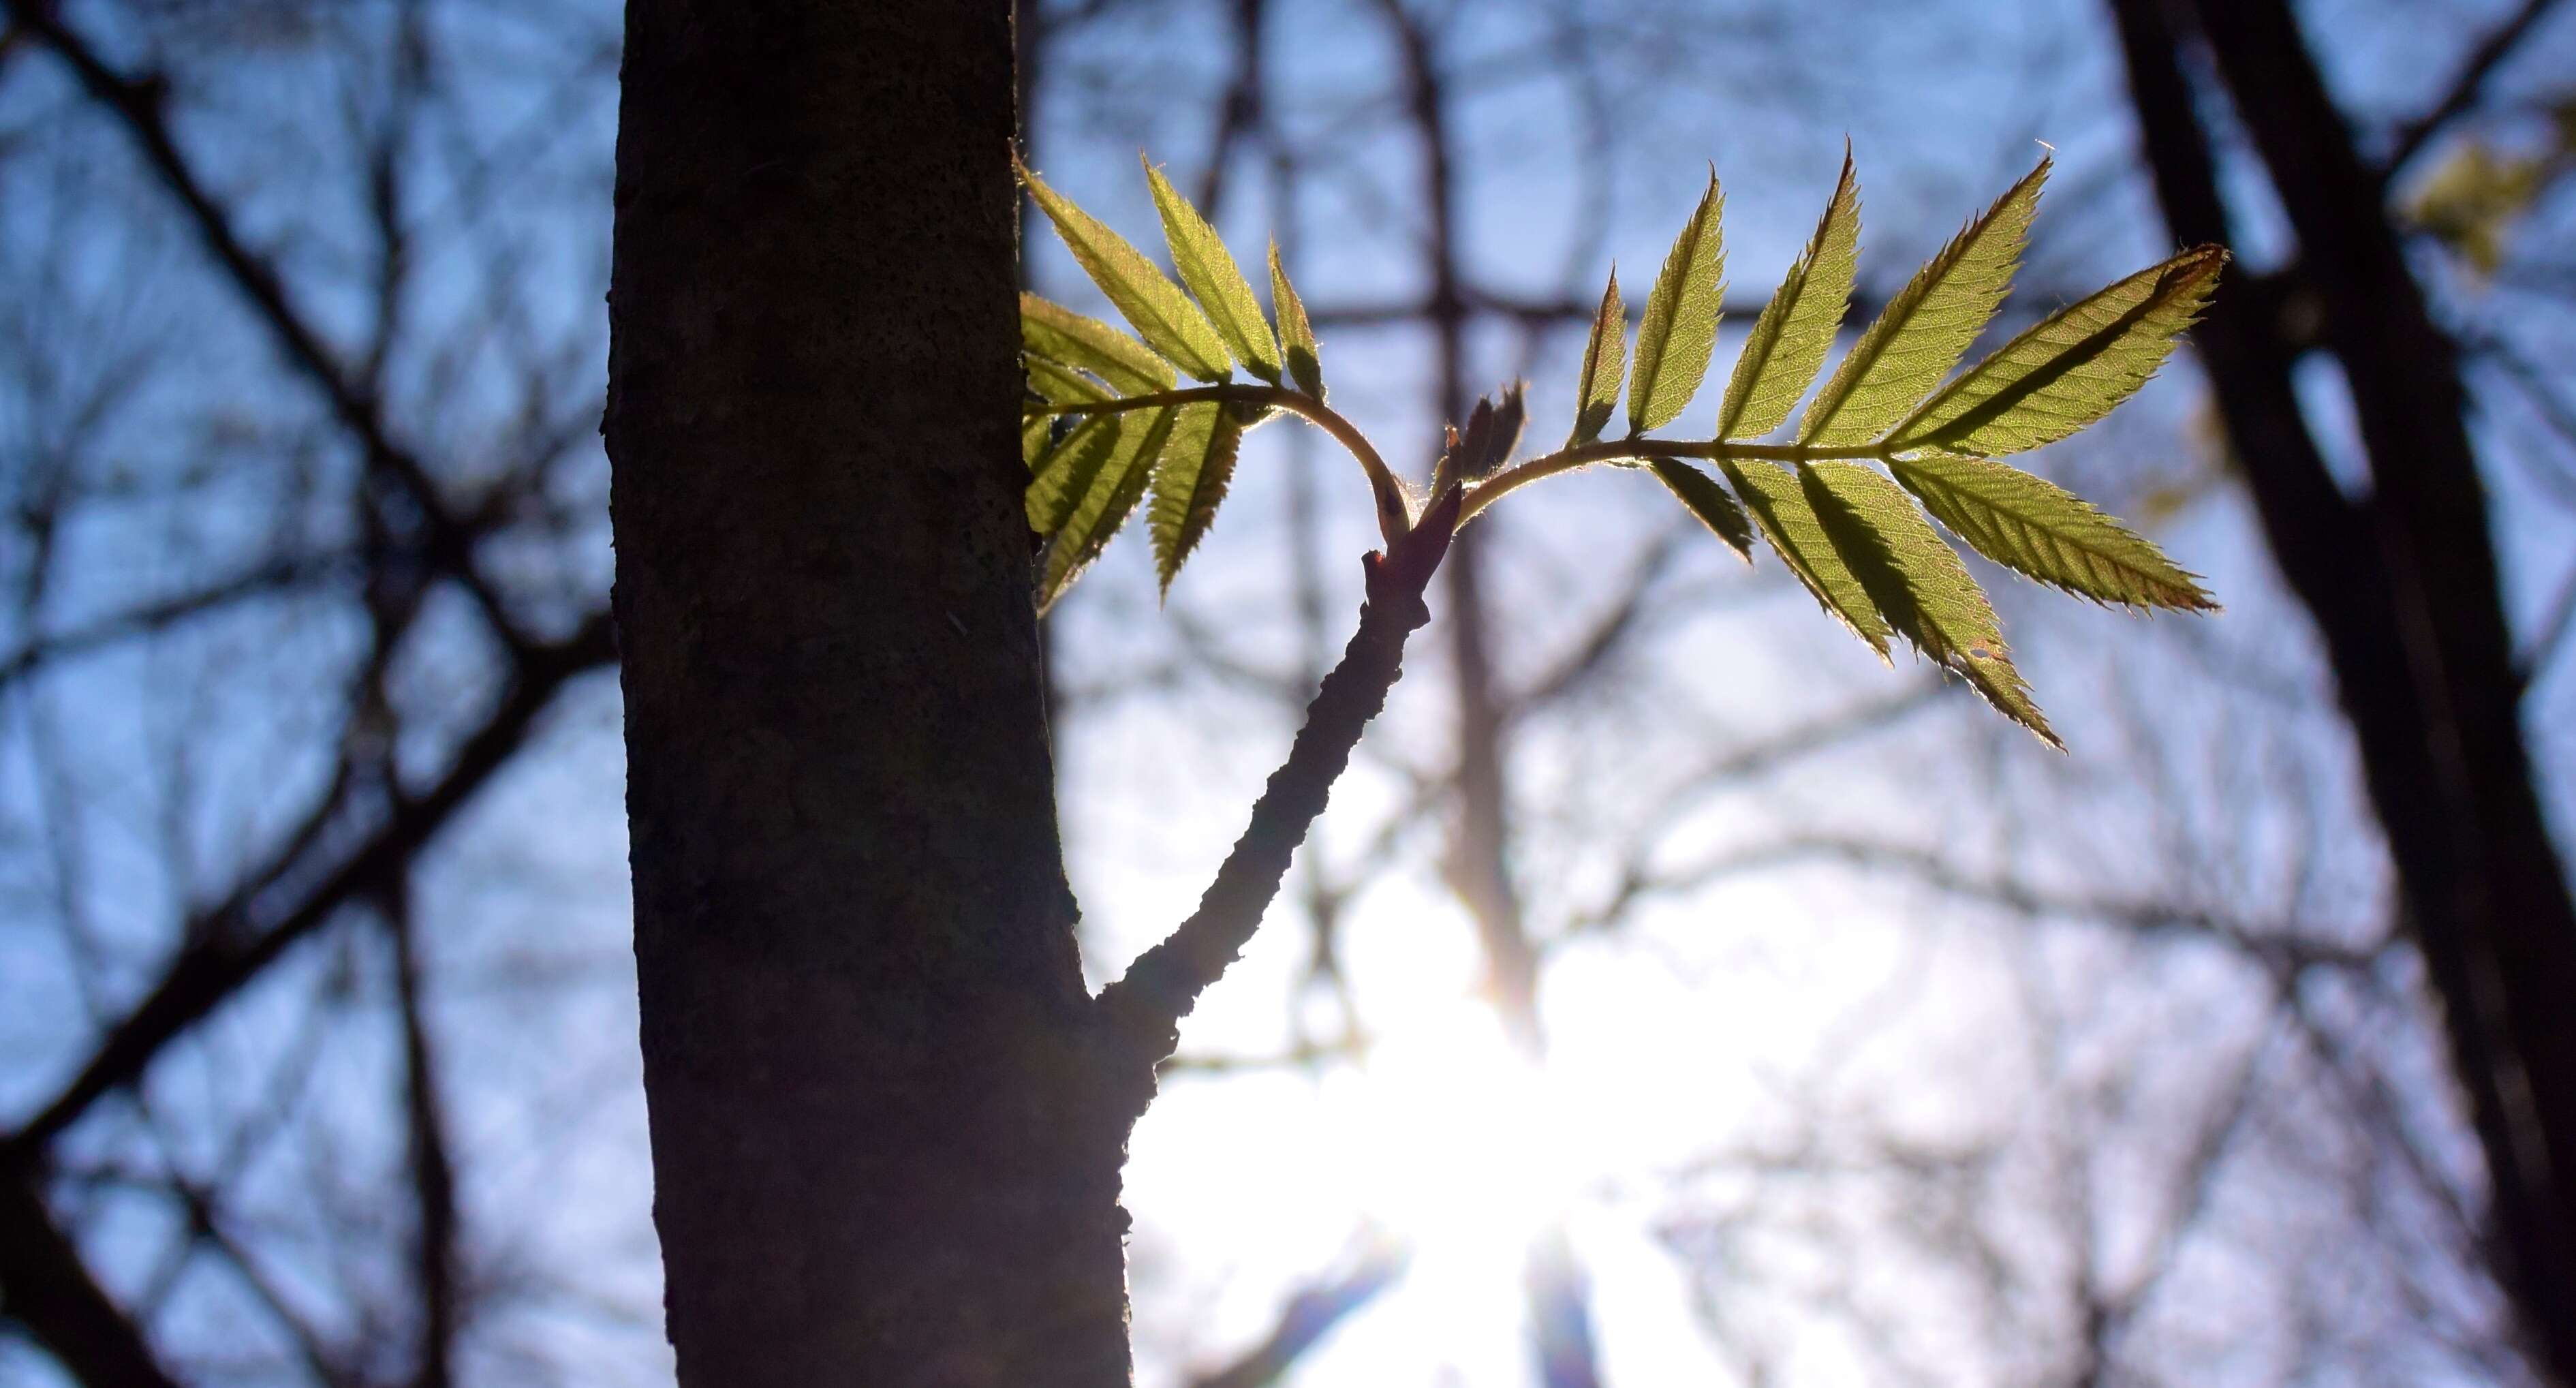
(1143, 1010)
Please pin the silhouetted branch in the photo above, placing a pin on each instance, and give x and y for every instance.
(2463, 93)
(138, 104)
(224, 953)
(45, 1287)
(1144, 1009)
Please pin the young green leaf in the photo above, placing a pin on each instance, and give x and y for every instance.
(1064, 475)
(1788, 520)
(2070, 370)
(1060, 384)
(1189, 482)
(2043, 531)
(1605, 360)
(1035, 432)
(1680, 327)
(1115, 489)
(1058, 334)
(1797, 327)
(1709, 502)
(1296, 336)
(1161, 313)
(1919, 335)
(1212, 275)
(1918, 583)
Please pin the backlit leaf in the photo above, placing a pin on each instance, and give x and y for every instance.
(1918, 583)
(1605, 360)
(2043, 531)
(1919, 335)
(1115, 489)
(1160, 312)
(1797, 327)
(1058, 334)
(1788, 520)
(1679, 330)
(1210, 272)
(1064, 475)
(1296, 335)
(2070, 370)
(1035, 431)
(1062, 385)
(1189, 482)
(1708, 501)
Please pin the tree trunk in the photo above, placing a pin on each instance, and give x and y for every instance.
(881, 1149)
(2402, 586)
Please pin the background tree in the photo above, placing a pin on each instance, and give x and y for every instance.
(1954, 1061)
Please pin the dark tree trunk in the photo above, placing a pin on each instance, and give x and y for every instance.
(881, 1149)
(2402, 585)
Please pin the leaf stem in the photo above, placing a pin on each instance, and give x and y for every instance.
(1490, 490)
(1394, 514)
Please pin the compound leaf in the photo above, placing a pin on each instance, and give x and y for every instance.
(1058, 334)
(1189, 482)
(2070, 370)
(1160, 312)
(2042, 531)
(1036, 431)
(1918, 584)
(1115, 488)
(1060, 384)
(1296, 335)
(1605, 360)
(1789, 521)
(1796, 328)
(1064, 475)
(1210, 272)
(1919, 335)
(1680, 327)
(1708, 501)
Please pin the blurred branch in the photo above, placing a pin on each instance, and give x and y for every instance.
(139, 105)
(1309, 1316)
(227, 945)
(2482, 62)
(433, 1169)
(45, 1287)
(153, 618)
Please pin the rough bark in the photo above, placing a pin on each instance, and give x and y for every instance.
(2402, 585)
(881, 1150)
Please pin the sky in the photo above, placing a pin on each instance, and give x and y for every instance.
(1792, 1098)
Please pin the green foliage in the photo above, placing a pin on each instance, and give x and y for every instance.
(2071, 369)
(1918, 583)
(1110, 498)
(1162, 315)
(1296, 336)
(1218, 282)
(1797, 534)
(1053, 333)
(1679, 331)
(1855, 538)
(1708, 501)
(2042, 531)
(1605, 360)
(1197, 466)
(1796, 328)
(1919, 335)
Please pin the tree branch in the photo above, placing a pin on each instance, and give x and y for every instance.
(1143, 1010)
(221, 958)
(137, 103)
(46, 1288)
(2483, 61)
